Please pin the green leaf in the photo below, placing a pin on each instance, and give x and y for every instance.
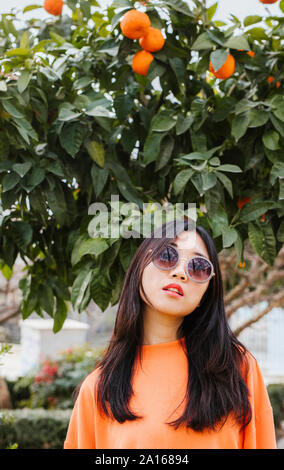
(47, 299)
(230, 168)
(253, 210)
(183, 123)
(162, 122)
(271, 140)
(208, 180)
(218, 58)
(96, 110)
(229, 236)
(252, 19)
(218, 221)
(75, 250)
(277, 171)
(96, 151)
(126, 253)
(281, 5)
(100, 289)
(255, 237)
(71, 137)
(22, 234)
(240, 124)
(80, 285)
(119, 171)
(55, 168)
(117, 276)
(181, 180)
(33, 179)
(11, 109)
(269, 244)
(25, 129)
(29, 304)
(279, 112)
(237, 42)
(257, 33)
(6, 271)
(123, 105)
(180, 6)
(202, 42)
(279, 125)
(178, 67)
(22, 168)
(206, 155)
(257, 117)
(227, 183)
(56, 201)
(165, 153)
(31, 7)
(60, 314)
(211, 11)
(130, 193)
(18, 51)
(60, 40)
(217, 36)
(99, 178)
(9, 181)
(93, 246)
(66, 112)
(224, 106)
(23, 80)
(239, 247)
(152, 147)
(109, 257)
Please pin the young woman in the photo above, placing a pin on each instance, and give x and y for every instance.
(174, 376)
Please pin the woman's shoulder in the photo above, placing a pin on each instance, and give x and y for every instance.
(250, 366)
(90, 380)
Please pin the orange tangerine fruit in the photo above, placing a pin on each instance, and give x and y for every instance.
(153, 40)
(135, 24)
(141, 62)
(54, 7)
(227, 68)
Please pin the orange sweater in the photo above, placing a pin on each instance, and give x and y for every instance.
(159, 386)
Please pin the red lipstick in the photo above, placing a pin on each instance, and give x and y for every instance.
(174, 286)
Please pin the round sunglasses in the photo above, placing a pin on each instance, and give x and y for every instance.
(198, 268)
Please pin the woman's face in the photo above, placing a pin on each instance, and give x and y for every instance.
(154, 279)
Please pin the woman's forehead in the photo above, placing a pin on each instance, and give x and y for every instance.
(190, 241)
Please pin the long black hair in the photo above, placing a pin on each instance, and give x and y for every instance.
(217, 361)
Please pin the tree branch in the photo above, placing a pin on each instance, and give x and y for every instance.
(278, 301)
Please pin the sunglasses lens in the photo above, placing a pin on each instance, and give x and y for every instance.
(199, 269)
(167, 258)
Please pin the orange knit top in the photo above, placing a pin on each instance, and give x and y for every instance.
(159, 387)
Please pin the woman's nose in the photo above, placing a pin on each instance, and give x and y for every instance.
(179, 270)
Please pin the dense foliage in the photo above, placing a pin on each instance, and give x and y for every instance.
(78, 125)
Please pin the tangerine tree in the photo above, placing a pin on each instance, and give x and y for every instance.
(195, 120)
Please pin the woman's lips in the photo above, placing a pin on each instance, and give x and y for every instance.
(173, 294)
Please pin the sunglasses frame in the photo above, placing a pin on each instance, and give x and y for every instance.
(186, 266)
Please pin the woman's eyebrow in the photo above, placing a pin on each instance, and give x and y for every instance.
(194, 252)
